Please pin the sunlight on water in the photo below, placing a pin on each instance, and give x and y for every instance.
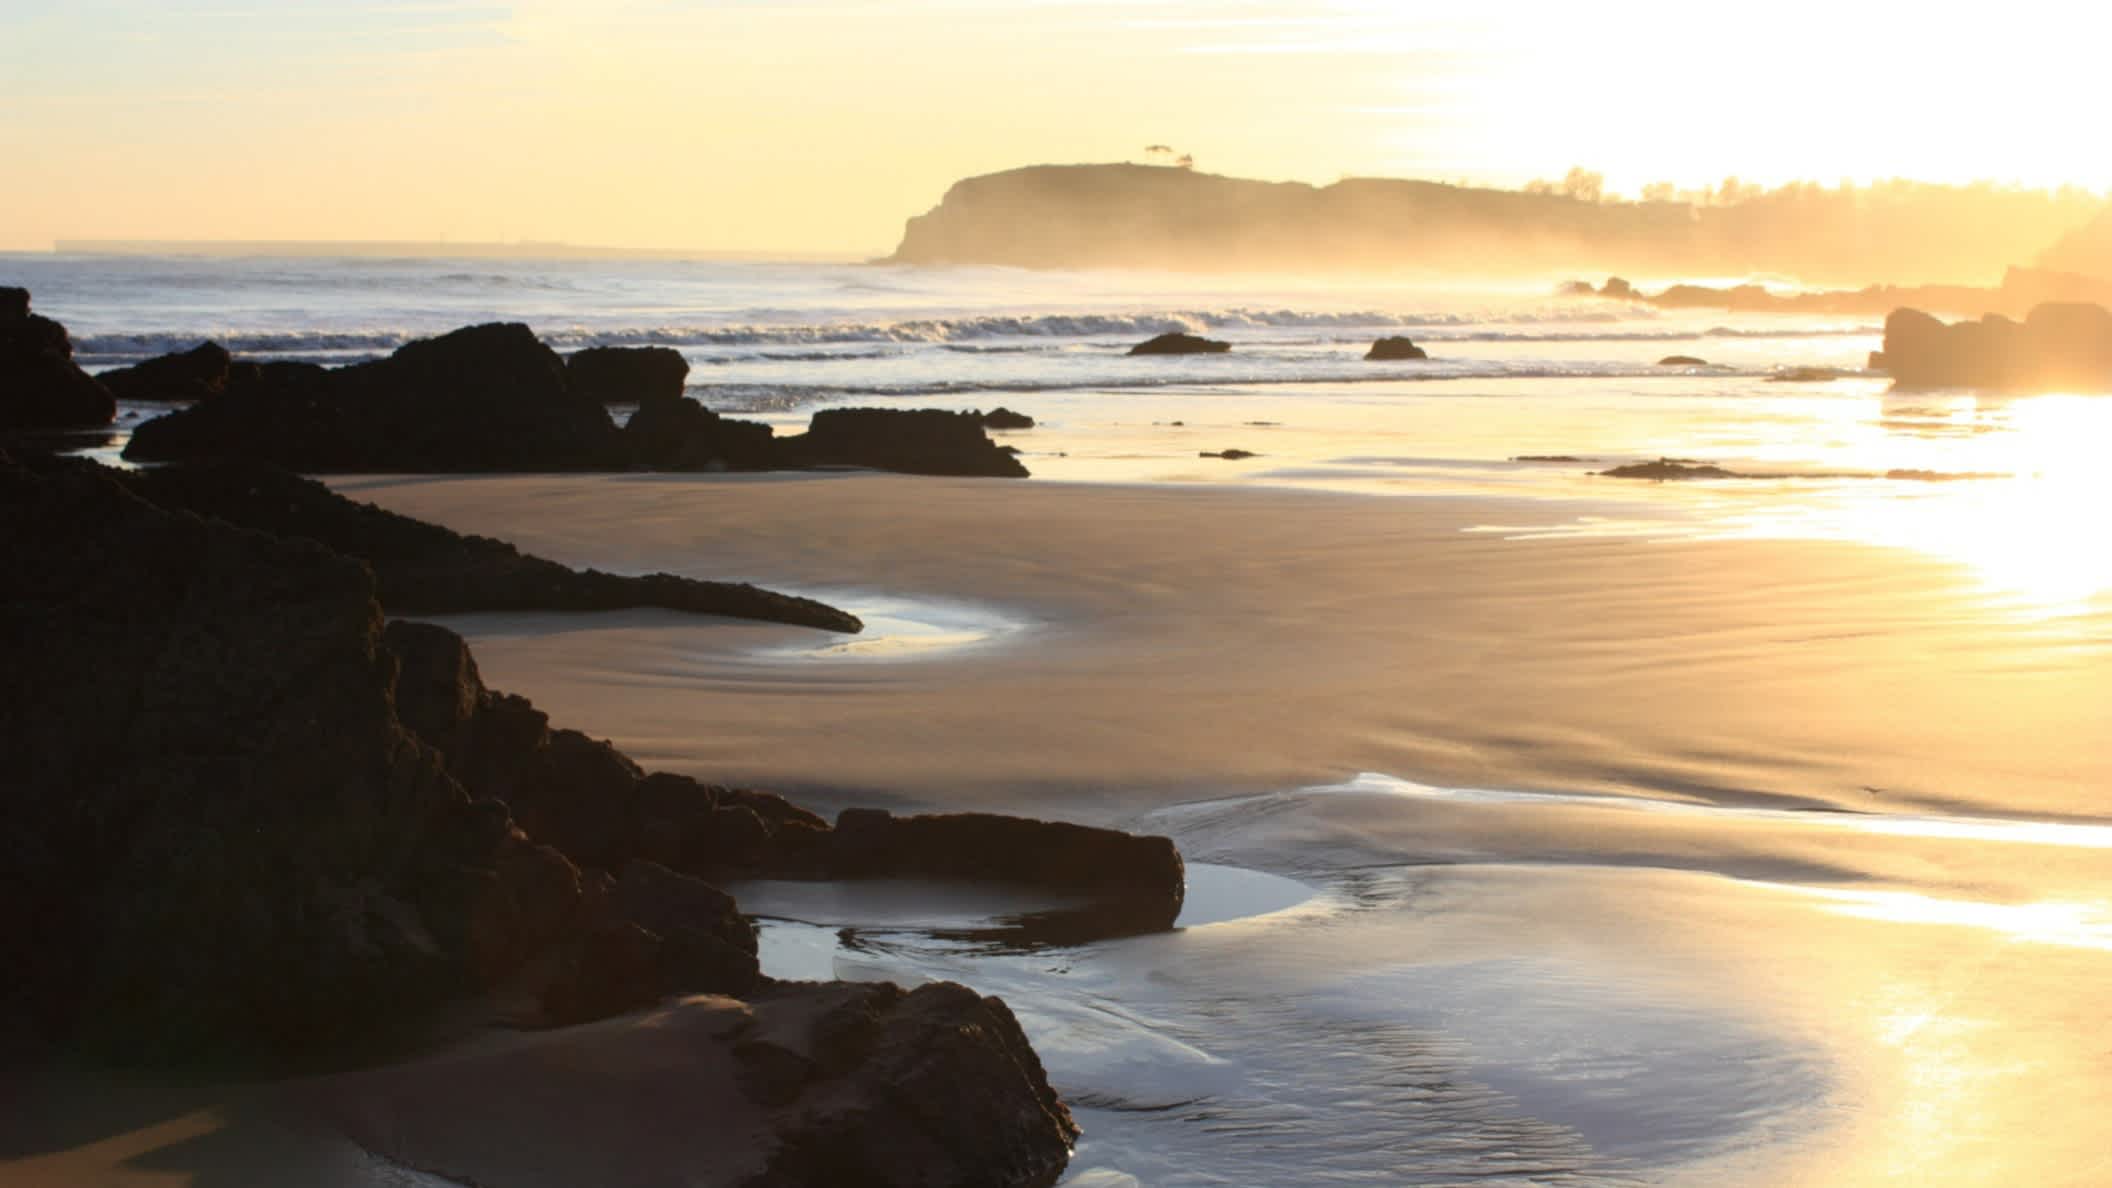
(2075, 925)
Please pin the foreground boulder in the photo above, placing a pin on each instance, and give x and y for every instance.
(422, 568)
(41, 387)
(916, 441)
(627, 375)
(1393, 349)
(2059, 346)
(1180, 344)
(829, 1084)
(180, 377)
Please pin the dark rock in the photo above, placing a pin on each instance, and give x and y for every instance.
(627, 375)
(41, 387)
(1005, 418)
(179, 377)
(215, 819)
(676, 432)
(771, 1074)
(666, 902)
(1616, 287)
(1229, 455)
(426, 569)
(1180, 344)
(947, 1093)
(1668, 468)
(613, 969)
(478, 399)
(1549, 458)
(1682, 361)
(912, 441)
(1394, 349)
(1097, 863)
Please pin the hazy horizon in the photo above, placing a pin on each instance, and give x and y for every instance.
(722, 127)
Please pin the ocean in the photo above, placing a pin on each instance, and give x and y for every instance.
(1547, 827)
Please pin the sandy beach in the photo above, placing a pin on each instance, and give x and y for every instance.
(1783, 864)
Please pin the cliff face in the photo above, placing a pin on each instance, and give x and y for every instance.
(1138, 216)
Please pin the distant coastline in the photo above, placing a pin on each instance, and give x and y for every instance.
(1168, 217)
(397, 249)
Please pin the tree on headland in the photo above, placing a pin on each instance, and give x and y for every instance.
(1164, 154)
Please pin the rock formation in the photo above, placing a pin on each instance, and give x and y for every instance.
(1682, 361)
(627, 375)
(1005, 418)
(41, 387)
(1393, 349)
(179, 377)
(1180, 344)
(2059, 346)
(422, 568)
(916, 441)
(493, 398)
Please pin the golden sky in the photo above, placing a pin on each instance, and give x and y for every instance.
(817, 126)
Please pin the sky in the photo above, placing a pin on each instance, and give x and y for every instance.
(810, 126)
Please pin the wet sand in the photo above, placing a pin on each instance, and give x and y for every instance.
(1674, 861)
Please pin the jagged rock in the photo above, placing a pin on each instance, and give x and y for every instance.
(41, 387)
(627, 375)
(179, 377)
(481, 398)
(423, 568)
(1005, 418)
(2059, 346)
(1682, 361)
(216, 823)
(707, 946)
(1180, 344)
(677, 432)
(937, 1087)
(1394, 348)
(913, 441)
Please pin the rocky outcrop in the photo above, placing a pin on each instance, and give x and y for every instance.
(482, 398)
(177, 378)
(1682, 361)
(915, 441)
(222, 844)
(936, 1086)
(1231, 455)
(2060, 346)
(1005, 418)
(1669, 469)
(627, 375)
(41, 387)
(678, 433)
(493, 398)
(805, 1085)
(1180, 344)
(422, 568)
(1394, 348)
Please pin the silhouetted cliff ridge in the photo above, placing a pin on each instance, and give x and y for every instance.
(1142, 216)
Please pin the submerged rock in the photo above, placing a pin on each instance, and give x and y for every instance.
(1682, 361)
(1668, 468)
(178, 377)
(41, 387)
(1395, 348)
(1233, 455)
(1180, 344)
